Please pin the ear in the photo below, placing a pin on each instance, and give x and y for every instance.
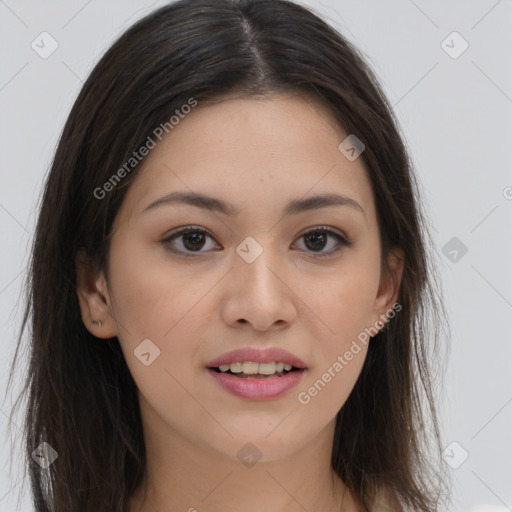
(389, 286)
(94, 299)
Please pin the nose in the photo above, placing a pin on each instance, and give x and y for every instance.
(259, 293)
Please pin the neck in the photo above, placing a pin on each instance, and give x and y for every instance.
(183, 476)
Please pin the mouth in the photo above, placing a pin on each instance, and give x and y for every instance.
(257, 374)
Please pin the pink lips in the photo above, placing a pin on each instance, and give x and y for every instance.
(257, 389)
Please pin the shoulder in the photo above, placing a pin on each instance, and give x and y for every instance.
(386, 502)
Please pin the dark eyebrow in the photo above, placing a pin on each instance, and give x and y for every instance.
(218, 205)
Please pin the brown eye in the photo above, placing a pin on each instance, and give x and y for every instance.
(317, 239)
(191, 240)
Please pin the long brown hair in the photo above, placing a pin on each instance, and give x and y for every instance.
(81, 397)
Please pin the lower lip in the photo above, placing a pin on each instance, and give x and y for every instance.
(257, 389)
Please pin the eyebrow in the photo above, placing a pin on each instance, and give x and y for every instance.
(294, 207)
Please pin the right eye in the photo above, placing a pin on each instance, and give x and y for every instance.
(192, 241)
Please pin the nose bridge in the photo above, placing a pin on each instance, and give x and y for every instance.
(257, 263)
(257, 293)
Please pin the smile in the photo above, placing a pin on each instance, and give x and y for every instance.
(257, 374)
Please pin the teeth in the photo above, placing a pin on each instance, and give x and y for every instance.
(251, 368)
(267, 368)
(236, 367)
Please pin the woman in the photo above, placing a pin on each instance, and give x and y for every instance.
(230, 290)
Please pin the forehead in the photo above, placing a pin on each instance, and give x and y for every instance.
(253, 150)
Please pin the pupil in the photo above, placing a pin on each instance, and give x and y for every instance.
(316, 236)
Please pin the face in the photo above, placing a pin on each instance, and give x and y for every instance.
(250, 274)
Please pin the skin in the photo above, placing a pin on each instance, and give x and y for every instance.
(256, 154)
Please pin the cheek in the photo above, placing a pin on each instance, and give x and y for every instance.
(160, 309)
(151, 296)
(165, 304)
(344, 300)
(340, 354)
(327, 388)
(345, 305)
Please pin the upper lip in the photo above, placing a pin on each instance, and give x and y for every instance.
(257, 355)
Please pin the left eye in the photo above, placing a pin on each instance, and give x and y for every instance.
(193, 240)
(317, 239)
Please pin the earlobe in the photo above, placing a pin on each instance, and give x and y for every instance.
(93, 297)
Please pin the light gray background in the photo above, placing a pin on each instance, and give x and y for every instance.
(456, 114)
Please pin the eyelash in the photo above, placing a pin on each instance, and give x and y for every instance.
(342, 241)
